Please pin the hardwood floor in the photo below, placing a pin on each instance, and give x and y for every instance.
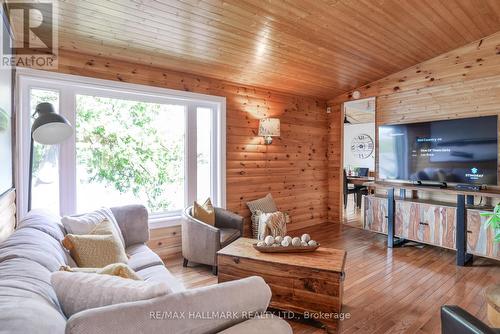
(396, 290)
(352, 215)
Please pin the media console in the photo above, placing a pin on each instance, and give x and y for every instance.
(454, 223)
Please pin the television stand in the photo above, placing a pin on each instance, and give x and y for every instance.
(441, 185)
(446, 218)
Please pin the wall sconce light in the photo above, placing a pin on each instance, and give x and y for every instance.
(268, 128)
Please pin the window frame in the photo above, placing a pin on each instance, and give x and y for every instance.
(69, 86)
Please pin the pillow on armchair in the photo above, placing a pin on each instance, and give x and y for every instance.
(205, 212)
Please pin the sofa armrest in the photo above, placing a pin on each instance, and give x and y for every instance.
(200, 241)
(133, 223)
(228, 219)
(209, 309)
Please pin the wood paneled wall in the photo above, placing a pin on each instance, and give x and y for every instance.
(335, 161)
(293, 168)
(461, 83)
(7, 214)
(166, 242)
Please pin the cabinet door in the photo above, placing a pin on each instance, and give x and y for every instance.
(376, 214)
(424, 227)
(447, 227)
(480, 239)
(407, 216)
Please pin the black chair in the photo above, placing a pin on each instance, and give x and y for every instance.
(456, 320)
(348, 190)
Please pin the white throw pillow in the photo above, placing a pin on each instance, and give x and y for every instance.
(83, 224)
(81, 291)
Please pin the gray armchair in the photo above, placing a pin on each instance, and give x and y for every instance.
(200, 241)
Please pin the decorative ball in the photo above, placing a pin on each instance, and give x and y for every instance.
(278, 239)
(275, 245)
(305, 237)
(261, 244)
(289, 238)
(312, 243)
(285, 243)
(296, 241)
(269, 240)
(303, 243)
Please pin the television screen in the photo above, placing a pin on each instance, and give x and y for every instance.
(455, 151)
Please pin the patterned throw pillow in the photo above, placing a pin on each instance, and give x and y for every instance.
(205, 212)
(115, 269)
(81, 291)
(265, 205)
(272, 224)
(97, 249)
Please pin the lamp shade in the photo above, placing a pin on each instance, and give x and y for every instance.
(269, 127)
(50, 128)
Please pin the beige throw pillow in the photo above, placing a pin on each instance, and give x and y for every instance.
(81, 291)
(115, 269)
(205, 212)
(97, 249)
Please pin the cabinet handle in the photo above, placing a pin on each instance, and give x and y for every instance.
(469, 231)
(422, 223)
(236, 260)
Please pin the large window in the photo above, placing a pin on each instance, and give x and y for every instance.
(132, 144)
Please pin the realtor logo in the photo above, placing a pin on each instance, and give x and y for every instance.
(29, 39)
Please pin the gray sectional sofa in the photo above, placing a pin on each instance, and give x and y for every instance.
(28, 303)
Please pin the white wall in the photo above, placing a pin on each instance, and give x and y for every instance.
(351, 131)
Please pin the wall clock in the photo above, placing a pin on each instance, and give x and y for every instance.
(362, 146)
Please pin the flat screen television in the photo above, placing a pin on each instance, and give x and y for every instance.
(452, 151)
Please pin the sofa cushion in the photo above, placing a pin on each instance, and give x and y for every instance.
(23, 312)
(38, 239)
(141, 256)
(115, 269)
(266, 323)
(27, 258)
(160, 273)
(81, 291)
(228, 235)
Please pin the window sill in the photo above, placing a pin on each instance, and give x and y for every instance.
(163, 222)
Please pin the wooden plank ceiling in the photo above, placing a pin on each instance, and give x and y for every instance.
(320, 48)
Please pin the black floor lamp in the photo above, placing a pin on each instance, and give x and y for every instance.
(49, 128)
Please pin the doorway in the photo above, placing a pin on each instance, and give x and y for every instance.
(358, 157)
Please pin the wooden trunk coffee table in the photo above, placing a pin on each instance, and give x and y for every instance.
(310, 284)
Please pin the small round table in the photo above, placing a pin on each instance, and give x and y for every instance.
(493, 300)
